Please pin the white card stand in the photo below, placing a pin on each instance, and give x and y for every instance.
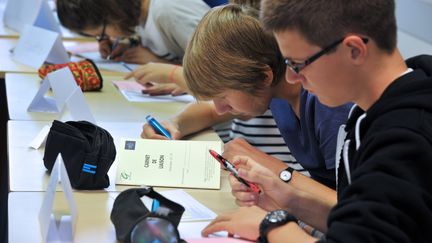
(19, 13)
(37, 45)
(63, 229)
(65, 92)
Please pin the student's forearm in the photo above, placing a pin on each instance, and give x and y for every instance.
(198, 116)
(290, 232)
(313, 209)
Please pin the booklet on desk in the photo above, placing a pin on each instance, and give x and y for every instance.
(169, 163)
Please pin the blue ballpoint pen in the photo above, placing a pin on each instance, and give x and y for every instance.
(158, 127)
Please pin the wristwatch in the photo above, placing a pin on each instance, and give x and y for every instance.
(272, 220)
(286, 175)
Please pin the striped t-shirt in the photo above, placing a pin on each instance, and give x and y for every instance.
(262, 133)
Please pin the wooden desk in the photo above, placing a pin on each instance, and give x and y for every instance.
(94, 208)
(27, 171)
(107, 105)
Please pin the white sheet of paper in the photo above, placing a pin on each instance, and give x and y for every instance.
(65, 91)
(133, 96)
(43, 103)
(63, 230)
(192, 230)
(46, 19)
(108, 65)
(78, 107)
(37, 45)
(40, 138)
(194, 210)
(58, 53)
(19, 13)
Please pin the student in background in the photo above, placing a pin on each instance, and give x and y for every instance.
(260, 131)
(233, 62)
(384, 174)
(159, 30)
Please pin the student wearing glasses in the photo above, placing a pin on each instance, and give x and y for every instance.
(347, 51)
(245, 78)
(135, 31)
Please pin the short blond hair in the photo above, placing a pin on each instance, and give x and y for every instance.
(230, 50)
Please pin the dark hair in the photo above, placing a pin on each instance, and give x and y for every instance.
(230, 50)
(78, 15)
(249, 3)
(322, 22)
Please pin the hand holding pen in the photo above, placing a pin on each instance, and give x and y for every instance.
(230, 167)
(157, 127)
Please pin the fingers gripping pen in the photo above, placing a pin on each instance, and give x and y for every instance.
(226, 164)
(158, 127)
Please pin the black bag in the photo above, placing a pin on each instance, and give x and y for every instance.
(88, 152)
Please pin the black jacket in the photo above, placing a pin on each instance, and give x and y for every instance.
(390, 195)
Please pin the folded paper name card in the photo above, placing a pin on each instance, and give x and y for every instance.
(58, 226)
(65, 93)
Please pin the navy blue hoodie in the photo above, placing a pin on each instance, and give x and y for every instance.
(389, 155)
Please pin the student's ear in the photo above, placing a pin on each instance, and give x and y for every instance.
(269, 77)
(358, 48)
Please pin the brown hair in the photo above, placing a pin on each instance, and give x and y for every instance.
(250, 3)
(322, 22)
(230, 50)
(78, 15)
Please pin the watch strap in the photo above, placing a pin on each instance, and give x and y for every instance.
(266, 225)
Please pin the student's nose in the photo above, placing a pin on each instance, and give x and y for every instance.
(221, 106)
(293, 77)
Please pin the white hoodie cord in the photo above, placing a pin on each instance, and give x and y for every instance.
(346, 160)
(357, 130)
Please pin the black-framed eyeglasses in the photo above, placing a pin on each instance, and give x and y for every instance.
(297, 67)
(101, 37)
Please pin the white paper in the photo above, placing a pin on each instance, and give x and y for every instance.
(192, 230)
(63, 230)
(19, 13)
(41, 102)
(78, 107)
(134, 96)
(40, 138)
(37, 45)
(46, 19)
(194, 210)
(65, 92)
(108, 65)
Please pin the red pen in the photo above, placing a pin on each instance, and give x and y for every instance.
(230, 167)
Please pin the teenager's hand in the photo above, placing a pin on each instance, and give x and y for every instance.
(239, 146)
(162, 89)
(274, 192)
(156, 78)
(105, 47)
(138, 55)
(152, 72)
(244, 223)
(150, 133)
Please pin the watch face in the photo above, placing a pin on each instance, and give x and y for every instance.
(277, 216)
(285, 175)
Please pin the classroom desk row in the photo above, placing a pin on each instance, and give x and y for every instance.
(93, 223)
(28, 177)
(106, 105)
(26, 168)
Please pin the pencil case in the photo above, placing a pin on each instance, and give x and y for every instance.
(85, 72)
(88, 152)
